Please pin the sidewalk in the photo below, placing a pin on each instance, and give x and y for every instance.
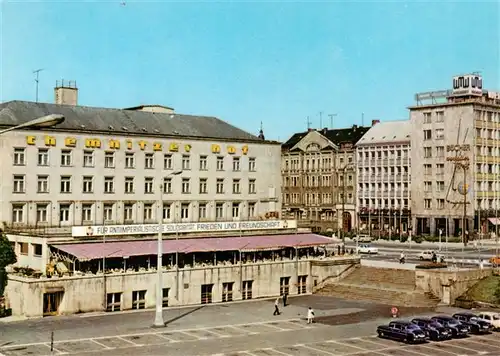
(489, 243)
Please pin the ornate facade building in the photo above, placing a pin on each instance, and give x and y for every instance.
(319, 178)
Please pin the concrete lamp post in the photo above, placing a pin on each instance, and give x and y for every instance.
(159, 322)
(41, 122)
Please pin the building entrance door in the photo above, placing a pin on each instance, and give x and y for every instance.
(51, 302)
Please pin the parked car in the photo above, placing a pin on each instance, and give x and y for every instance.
(427, 256)
(495, 260)
(367, 249)
(362, 238)
(475, 324)
(402, 331)
(457, 328)
(492, 317)
(434, 330)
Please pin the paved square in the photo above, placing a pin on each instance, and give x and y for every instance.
(265, 352)
(148, 339)
(257, 328)
(203, 334)
(77, 346)
(427, 349)
(27, 350)
(111, 342)
(179, 336)
(230, 331)
(299, 351)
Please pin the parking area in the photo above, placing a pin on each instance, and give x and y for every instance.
(160, 337)
(374, 346)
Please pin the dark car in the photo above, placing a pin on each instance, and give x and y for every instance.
(433, 329)
(475, 324)
(402, 331)
(457, 328)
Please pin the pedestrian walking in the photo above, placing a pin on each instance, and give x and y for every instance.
(276, 306)
(285, 297)
(310, 315)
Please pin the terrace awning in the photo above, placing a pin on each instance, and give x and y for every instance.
(119, 249)
(494, 221)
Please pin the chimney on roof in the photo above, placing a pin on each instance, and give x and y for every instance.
(354, 127)
(325, 129)
(374, 122)
(66, 93)
(310, 129)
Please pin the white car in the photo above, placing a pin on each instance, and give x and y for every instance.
(427, 256)
(370, 250)
(491, 317)
(362, 238)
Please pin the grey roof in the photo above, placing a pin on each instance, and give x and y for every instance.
(387, 132)
(126, 122)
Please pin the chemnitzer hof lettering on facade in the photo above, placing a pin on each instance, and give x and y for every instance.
(468, 85)
(116, 230)
(114, 144)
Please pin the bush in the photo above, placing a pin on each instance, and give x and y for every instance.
(417, 239)
(431, 266)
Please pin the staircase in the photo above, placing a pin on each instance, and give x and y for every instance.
(381, 285)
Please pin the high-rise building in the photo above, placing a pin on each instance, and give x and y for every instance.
(455, 155)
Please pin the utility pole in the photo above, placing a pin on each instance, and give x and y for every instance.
(363, 119)
(321, 120)
(37, 73)
(308, 123)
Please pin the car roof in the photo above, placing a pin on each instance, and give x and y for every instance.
(488, 313)
(465, 314)
(403, 322)
(444, 317)
(423, 319)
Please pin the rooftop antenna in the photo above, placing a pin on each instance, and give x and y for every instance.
(363, 119)
(37, 73)
(308, 123)
(321, 119)
(331, 119)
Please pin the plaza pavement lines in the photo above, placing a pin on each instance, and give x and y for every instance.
(191, 332)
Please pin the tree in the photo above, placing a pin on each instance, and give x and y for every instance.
(7, 257)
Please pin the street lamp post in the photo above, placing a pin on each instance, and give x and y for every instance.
(159, 322)
(41, 122)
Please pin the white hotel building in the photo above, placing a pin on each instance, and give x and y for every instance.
(384, 177)
(110, 166)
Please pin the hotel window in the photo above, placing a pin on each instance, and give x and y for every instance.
(186, 188)
(64, 212)
(427, 152)
(109, 185)
(148, 211)
(129, 185)
(427, 186)
(251, 210)
(427, 204)
(167, 161)
(109, 160)
(128, 212)
(88, 158)
(66, 158)
(427, 169)
(427, 118)
(42, 184)
(167, 185)
(236, 164)
(251, 186)
(220, 186)
(440, 168)
(164, 303)
(37, 250)
(43, 156)
(220, 163)
(203, 186)
(203, 163)
(41, 213)
(236, 186)
(139, 299)
(439, 116)
(19, 157)
(87, 212)
(236, 210)
(149, 161)
(202, 211)
(148, 185)
(129, 160)
(65, 184)
(219, 210)
(88, 184)
(108, 212)
(18, 213)
(251, 164)
(167, 211)
(427, 134)
(440, 186)
(440, 151)
(19, 184)
(185, 211)
(440, 204)
(186, 164)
